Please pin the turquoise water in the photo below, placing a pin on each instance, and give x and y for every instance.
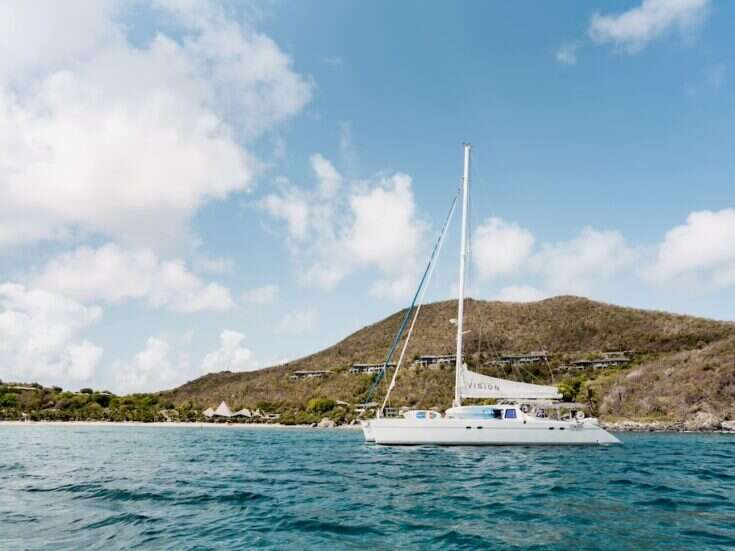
(192, 488)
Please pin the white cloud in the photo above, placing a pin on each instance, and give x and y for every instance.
(500, 247)
(214, 265)
(520, 293)
(503, 249)
(384, 230)
(335, 231)
(329, 179)
(634, 29)
(705, 245)
(396, 288)
(84, 358)
(112, 274)
(230, 356)
(298, 322)
(578, 265)
(98, 136)
(567, 54)
(43, 34)
(261, 295)
(290, 206)
(40, 336)
(151, 369)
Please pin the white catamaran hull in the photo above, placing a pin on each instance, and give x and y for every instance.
(473, 432)
(497, 424)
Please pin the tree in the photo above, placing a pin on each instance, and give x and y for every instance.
(102, 399)
(320, 405)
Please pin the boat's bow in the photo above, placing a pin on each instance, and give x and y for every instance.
(367, 431)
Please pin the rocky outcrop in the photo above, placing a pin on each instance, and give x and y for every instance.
(728, 425)
(641, 426)
(326, 424)
(703, 421)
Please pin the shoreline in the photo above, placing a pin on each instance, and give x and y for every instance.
(726, 427)
(616, 426)
(172, 424)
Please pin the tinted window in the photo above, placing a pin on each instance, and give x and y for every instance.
(510, 414)
(421, 415)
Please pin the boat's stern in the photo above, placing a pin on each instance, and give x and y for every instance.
(601, 435)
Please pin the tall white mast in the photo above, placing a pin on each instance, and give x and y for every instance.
(462, 258)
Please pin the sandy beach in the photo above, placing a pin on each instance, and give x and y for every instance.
(254, 426)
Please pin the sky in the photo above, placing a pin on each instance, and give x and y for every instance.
(191, 187)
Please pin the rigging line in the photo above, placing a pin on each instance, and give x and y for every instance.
(546, 359)
(432, 264)
(402, 327)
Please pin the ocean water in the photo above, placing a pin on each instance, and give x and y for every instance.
(202, 488)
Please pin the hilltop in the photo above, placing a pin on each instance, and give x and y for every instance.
(683, 366)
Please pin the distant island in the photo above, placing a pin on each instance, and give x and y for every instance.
(635, 369)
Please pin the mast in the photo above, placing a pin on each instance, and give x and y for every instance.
(462, 257)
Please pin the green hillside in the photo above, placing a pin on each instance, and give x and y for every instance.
(682, 372)
(682, 364)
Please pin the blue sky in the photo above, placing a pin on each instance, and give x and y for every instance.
(192, 187)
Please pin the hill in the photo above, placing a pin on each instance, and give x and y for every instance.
(682, 365)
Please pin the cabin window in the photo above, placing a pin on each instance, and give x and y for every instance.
(420, 415)
(497, 414)
(510, 414)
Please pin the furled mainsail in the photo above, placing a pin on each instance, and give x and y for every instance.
(476, 385)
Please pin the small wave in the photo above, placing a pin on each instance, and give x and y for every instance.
(315, 525)
(240, 497)
(711, 537)
(294, 489)
(133, 519)
(622, 482)
(18, 518)
(95, 491)
(453, 538)
(661, 502)
(12, 467)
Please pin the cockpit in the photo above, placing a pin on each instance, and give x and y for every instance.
(499, 413)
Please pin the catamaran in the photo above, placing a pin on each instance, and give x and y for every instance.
(515, 418)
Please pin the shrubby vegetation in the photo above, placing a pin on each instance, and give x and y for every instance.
(682, 365)
(34, 402)
(568, 327)
(320, 405)
(19, 401)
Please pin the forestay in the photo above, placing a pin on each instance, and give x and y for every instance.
(476, 385)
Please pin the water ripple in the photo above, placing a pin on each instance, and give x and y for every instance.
(192, 489)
